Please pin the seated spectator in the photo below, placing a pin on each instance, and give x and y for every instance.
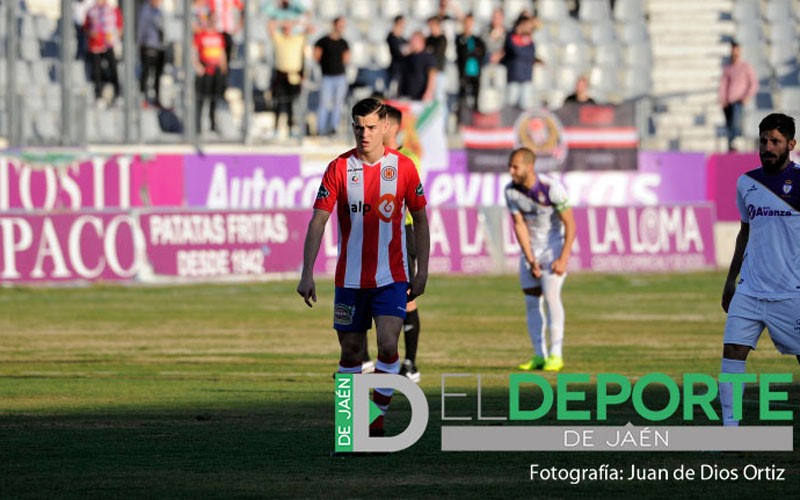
(581, 94)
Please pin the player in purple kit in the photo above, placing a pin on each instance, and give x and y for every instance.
(766, 259)
(545, 229)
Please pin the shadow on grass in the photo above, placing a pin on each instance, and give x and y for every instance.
(276, 449)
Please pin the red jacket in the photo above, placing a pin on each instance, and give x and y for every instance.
(103, 26)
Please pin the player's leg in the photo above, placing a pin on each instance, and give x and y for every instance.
(351, 323)
(350, 344)
(742, 329)
(551, 291)
(411, 325)
(532, 291)
(388, 306)
(783, 323)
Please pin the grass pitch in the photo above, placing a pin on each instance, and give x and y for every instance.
(223, 391)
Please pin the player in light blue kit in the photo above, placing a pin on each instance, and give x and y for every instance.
(545, 229)
(766, 259)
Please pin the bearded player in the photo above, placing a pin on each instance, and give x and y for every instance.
(545, 229)
(766, 259)
(369, 188)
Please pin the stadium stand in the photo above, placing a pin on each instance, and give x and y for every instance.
(666, 54)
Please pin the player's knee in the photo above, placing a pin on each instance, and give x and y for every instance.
(735, 351)
(387, 347)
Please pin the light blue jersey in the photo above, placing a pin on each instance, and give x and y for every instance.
(770, 204)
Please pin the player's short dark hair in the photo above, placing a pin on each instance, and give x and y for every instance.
(393, 114)
(398, 18)
(780, 122)
(366, 107)
(528, 156)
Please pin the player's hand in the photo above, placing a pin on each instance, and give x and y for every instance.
(536, 269)
(308, 290)
(559, 266)
(417, 286)
(727, 295)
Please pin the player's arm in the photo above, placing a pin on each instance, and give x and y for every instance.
(523, 237)
(422, 237)
(430, 87)
(316, 228)
(559, 265)
(736, 265)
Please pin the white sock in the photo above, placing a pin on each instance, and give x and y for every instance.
(533, 306)
(551, 288)
(726, 390)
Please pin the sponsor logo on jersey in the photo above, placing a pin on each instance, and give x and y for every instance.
(343, 314)
(389, 173)
(360, 207)
(354, 179)
(386, 207)
(323, 192)
(754, 212)
(420, 190)
(752, 188)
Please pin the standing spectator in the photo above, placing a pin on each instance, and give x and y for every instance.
(436, 44)
(581, 94)
(79, 10)
(332, 53)
(398, 48)
(287, 76)
(150, 38)
(419, 71)
(228, 15)
(738, 84)
(470, 52)
(200, 11)
(519, 56)
(211, 68)
(496, 36)
(103, 26)
(283, 10)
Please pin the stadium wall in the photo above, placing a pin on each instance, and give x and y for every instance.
(173, 217)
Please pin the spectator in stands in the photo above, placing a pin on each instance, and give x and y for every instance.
(79, 10)
(210, 67)
(436, 44)
(287, 76)
(333, 54)
(738, 84)
(103, 26)
(200, 11)
(470, 55)
(398, 48)
(228, 15)
(581, 94)
(283, 10)
(519, 56)
(150, 38)
(419, 71)
(496, 36)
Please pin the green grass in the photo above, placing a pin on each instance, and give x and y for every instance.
(222, 391)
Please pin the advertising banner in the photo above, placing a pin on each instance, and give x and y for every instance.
(723, 171)
(90, 182)
(69, 247)
(223, 243)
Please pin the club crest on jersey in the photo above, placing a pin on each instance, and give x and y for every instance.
(389, 173)
(323, 192)
(787, 186)
(386, 207)
(343, 314)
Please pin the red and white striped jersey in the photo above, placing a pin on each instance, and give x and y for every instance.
(369, 202)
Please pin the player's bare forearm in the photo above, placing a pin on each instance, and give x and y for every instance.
(523, 237)
(568, 219)
(422, 236)
(316, 228)
(736, 265)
